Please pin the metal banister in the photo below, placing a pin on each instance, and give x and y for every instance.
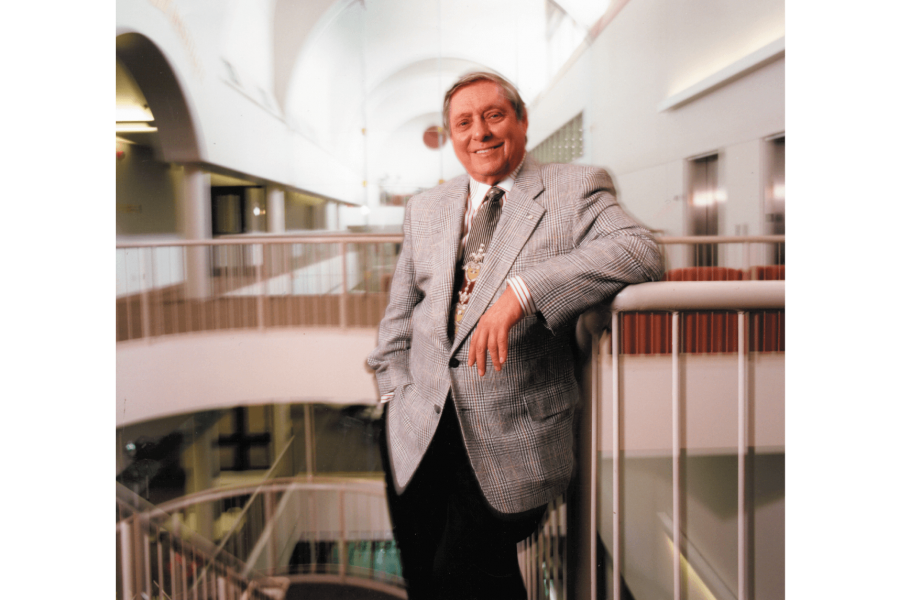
(700, 295)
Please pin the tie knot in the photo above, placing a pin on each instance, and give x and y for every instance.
(493, 195)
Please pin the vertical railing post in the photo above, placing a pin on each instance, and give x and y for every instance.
(745, 263)
(173, 581)
(146, 571)
(742, 459)
(345, 275)
(616, 457)
(596, 395)
(160, 564)
(145, 295)
(676, 459)
(269, 508)
(260, 285)
(127, 566)
(343, 553)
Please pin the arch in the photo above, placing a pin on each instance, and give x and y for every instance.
(178, 134)
(293, 24)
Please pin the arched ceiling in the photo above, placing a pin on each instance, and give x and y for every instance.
(354, 77)
(344, 69)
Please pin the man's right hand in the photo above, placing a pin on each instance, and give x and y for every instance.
(492, 332)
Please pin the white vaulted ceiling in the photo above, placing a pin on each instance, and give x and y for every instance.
(368, 77)
(356, 83)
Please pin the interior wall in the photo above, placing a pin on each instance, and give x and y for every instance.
(304, 212)
(145, 193)
(650, 51)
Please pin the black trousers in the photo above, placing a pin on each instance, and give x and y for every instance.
(453, 544)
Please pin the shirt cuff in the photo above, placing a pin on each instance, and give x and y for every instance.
(522, 295)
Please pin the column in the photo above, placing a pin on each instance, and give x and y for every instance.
(197, 461)
(196, 221)
(275, 209)
(281, 433)
(332, 222)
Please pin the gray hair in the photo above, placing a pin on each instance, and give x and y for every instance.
(509, 90)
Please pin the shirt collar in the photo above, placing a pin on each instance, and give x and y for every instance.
(477, 190)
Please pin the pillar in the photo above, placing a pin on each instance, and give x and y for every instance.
(332, 222)
(275, 209)
(197, 460)
(196, 220)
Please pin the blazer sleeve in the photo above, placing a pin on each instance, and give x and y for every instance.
(390, 359)
(609, 250)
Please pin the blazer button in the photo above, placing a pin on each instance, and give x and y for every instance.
(454, 363)
(437, 409)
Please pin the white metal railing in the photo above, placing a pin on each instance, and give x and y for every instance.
(327, 280)
(740, 252)
(342, 523)
(741, 297)
(158, 556)
(544, 557)
(187, 286)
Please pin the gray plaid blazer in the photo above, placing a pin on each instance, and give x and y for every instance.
(564, 234)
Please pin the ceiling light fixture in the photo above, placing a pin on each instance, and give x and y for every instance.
(134, 127)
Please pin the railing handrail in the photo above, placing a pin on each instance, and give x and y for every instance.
(387, 238)
(326, 484)
(700, 295)
(126, 497)
(337, 238)
(719, 239)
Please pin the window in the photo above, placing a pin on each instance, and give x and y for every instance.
(244, 438)
(563, 145)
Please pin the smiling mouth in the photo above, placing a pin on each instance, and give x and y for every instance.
(486, 150)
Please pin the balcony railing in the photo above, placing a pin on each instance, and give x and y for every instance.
(323, 529)
(734, 396)
(672, 334)
(159, 556)
(176, 287)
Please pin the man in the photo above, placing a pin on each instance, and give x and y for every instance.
(474, 355)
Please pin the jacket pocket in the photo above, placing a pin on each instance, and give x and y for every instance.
(546, 401)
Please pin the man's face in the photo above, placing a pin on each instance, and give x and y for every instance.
(488, 139)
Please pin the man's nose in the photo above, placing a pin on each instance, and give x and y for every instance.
(481, 130)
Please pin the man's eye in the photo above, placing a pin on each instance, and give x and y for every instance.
(495, 116)
(462, 123)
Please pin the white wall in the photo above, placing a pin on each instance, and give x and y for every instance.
(194, 372)
(146, 198)
(651, 50)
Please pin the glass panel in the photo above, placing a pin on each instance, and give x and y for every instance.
(563, 145)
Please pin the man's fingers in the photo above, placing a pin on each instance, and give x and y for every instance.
(477, 350)
(494, 351)
(487, 341)
(502, 346)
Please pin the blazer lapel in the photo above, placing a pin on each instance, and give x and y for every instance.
(520, 216)
(445, 247)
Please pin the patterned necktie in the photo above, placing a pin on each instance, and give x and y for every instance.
(477, 243)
